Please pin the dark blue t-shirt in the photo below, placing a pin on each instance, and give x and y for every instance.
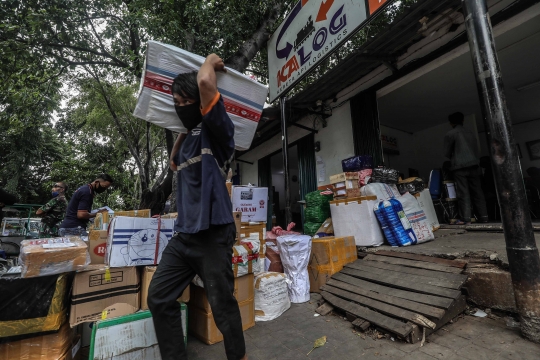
(203, 161)
(82, 199)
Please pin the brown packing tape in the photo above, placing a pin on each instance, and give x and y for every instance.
(266, 276)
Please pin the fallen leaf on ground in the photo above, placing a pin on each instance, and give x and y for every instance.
(318, 343)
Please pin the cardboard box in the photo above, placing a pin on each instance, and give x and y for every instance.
(102, 294)
(237, 215)
(42, 257)
(251, 201)
(173, 215)
(137, 241)
(47, 347)
(102, 220)
(147, 275)
(203, 326)
(129, 337)
(343, 193)
(243, 290)
(97, 246)
(328, 256)
(348, 180)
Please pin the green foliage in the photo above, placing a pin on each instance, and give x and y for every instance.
(70, 70)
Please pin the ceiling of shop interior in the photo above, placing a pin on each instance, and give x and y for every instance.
(427, 100)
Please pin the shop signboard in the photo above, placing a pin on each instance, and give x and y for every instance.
(309, 34)
(390, 144)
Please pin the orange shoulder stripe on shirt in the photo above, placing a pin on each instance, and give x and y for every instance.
(209, 107)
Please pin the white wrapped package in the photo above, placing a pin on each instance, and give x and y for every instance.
(417, 218)
(354, 218)
(295, 251)
(244, 98)
(426, 203)
(381, 191)
(271, 295)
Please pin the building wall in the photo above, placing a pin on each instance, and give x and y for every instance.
(422, 150)
(336, 144)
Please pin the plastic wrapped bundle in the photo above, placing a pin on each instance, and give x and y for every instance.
(357, 163)
(394, 223)
(385, 175)
(317, 214)
(295, 251)
(412, 185)
(271, 296)
(316, 199)
(311, 228)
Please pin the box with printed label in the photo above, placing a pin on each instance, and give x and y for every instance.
(147, 275)
(251, 201)
(137, 241)
(97, 245)
(102, 294)
(42, 257)
(129, 337)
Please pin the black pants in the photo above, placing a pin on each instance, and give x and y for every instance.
(209, 255)
(469, 192)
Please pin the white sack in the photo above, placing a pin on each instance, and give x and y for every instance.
(358, 220)
(381, 191)
(295, 251)
(255, 246)
(244, 98)
(271, 295)
(417, 218)
(426, 203)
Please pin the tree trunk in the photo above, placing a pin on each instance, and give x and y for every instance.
(155, 198)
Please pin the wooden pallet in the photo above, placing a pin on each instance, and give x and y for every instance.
(405, 294)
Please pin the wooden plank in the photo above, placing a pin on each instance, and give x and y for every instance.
(416, 264)
(415, 271)
(324, 309)
(432, 300)
(362, 325)
(381, 307)
(395, 326)
(416, 334)
(455, 263)
(422, 309)
(402, 282)
(458, 306)
(443, 283)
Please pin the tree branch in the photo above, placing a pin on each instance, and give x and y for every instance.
(247, 51)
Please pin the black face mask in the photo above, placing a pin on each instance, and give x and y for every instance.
(190, 115)
(99, 189)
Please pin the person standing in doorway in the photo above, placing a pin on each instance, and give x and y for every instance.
(461, 147)
(204, 230)
(52, 213)
(78, 212)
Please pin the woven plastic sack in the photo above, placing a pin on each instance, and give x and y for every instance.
(315, 199)
(311, 228)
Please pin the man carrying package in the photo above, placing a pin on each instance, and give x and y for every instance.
(204, 230)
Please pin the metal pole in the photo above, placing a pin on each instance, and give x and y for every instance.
(285, 150)
(518, 232)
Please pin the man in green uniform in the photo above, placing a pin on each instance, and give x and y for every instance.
(52, 213)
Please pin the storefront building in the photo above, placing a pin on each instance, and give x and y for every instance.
(392, 97)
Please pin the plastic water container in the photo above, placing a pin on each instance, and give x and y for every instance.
(395, 225)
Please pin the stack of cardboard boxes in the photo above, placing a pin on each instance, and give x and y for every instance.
(345, 185)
